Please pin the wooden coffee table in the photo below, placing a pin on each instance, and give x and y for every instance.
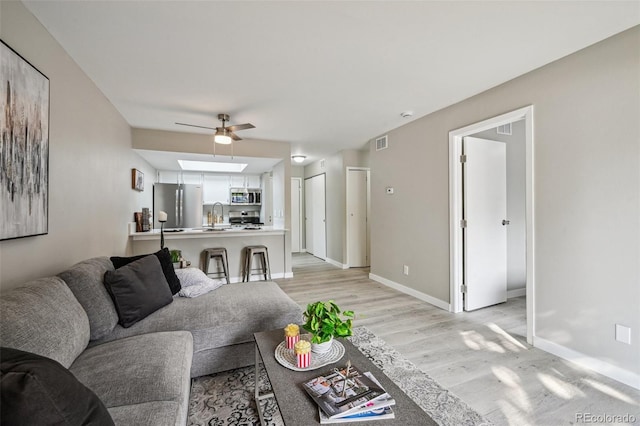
(297, 408)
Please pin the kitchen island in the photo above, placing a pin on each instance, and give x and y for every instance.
(191, 242)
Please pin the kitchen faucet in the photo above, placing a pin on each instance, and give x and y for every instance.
(213, 210)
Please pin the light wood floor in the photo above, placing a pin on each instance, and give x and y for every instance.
(480, 356)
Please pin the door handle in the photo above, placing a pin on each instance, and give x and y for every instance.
(505, 222)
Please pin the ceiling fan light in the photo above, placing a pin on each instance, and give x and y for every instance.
(298, 158)
(222, 138)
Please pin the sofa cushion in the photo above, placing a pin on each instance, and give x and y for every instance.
(164, 257)
(152, 413)
(139, 370)
(45, 318)
(226, 316)
(35, 390)
(138, 289)
(85, 281)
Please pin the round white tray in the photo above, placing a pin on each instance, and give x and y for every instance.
(287, 358)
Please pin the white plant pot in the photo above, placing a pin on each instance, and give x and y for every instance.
(321, 348)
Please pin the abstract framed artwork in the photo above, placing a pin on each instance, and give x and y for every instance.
(137, 180)
(24, 147)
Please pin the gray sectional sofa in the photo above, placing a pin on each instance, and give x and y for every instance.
(142, 374)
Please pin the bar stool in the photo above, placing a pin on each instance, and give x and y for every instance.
(265, 268)
(218, 253)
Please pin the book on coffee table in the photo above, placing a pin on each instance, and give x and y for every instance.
(365, 416)
(345, 391)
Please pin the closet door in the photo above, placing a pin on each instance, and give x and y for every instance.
(315, 216)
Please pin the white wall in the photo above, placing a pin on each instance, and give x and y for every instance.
(90, 162)
(586, 194)
(516, 231)
(334, 167)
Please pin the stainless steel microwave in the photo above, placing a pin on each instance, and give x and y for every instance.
(246, 196)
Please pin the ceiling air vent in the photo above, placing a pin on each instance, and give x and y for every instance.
(381, 143)
(504, 129)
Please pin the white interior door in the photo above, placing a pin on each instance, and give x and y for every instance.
(314, 190)
(296, 213)
(308, 215)
(485, 235)
(357, 235)
(319, 217)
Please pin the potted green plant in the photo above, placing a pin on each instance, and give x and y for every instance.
(175, 257)
(325, 320)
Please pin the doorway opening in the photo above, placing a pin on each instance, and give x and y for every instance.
(456, 205)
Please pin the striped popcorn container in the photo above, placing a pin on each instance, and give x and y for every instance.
(302, 350)
(291, 335)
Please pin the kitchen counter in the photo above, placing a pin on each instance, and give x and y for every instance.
(192, 242)
(206, 233)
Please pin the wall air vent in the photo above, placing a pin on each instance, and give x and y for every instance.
(504, 129)
(381, 143)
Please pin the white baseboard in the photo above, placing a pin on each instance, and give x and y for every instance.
(616, 373)
(411, 292)
(336, 263)
(516, 292)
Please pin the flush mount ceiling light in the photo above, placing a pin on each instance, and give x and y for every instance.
(298, 158)
(222, 136)
(211, 166)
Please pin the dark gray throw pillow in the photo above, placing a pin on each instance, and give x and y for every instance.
(35, 390)
(138, 289)
(164, 257)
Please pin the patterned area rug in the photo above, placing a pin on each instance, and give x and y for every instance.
(227, 398)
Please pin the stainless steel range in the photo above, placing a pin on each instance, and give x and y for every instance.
(245, 219)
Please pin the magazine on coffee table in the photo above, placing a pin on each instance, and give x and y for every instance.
(365, 416)
(345, 391)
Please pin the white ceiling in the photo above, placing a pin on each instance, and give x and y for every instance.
(163, 160)
(325, 75)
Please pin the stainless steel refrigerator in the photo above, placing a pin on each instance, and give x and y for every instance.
(182, 202)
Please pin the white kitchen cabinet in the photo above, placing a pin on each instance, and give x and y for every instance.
(238, 181)
(193, 178)
(245, 181)
(169, 176)
(216, 189)
(253, 181)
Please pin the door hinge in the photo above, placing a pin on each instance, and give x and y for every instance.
(463, 158)
(463, 223)
(463, 288)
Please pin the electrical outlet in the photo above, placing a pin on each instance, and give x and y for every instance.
(405, 269)
(389, 190)
(623, 334)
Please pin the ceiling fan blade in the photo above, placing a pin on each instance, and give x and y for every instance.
(234, 136)
(237, 127)
(193, 125)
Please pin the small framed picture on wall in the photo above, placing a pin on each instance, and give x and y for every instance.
(137, 180)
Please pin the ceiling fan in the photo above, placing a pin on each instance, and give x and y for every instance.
(225, 134)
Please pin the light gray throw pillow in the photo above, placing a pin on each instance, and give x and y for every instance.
(195, 282)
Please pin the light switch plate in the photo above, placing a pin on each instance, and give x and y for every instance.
(623, 334)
